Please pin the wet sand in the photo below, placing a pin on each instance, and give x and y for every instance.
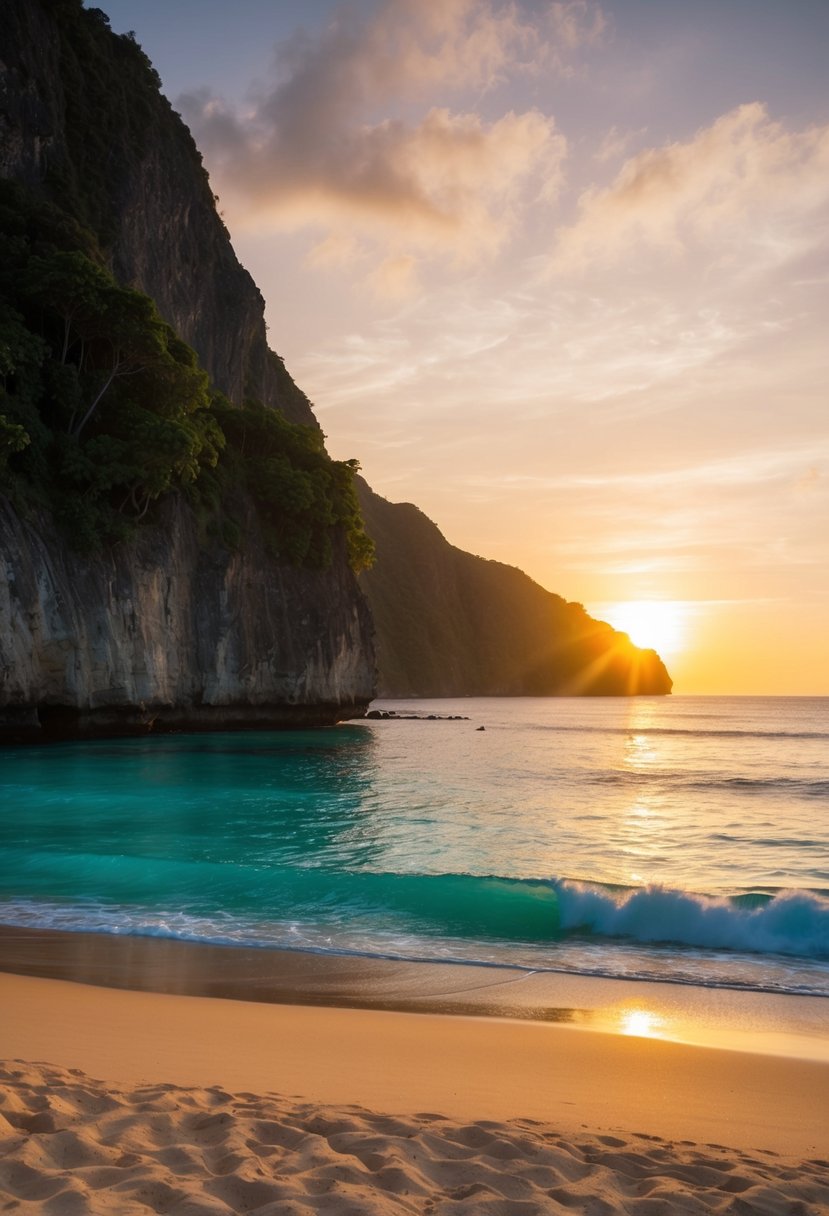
(763, 1023)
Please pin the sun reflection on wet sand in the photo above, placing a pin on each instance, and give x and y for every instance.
(641, 1023)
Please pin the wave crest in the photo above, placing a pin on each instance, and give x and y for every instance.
(792, 922)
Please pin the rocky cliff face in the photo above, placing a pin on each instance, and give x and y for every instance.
(162, 631)
(451, 624)
(155, 213)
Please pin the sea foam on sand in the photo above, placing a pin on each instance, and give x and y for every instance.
(70, 1144)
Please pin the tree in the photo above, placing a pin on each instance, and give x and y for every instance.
(104, 409)
(107, 333)
(13, 438)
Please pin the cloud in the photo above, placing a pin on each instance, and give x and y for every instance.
(345, 136)
(339, 249)
(394, 278)
(615, 144)
(575, 24)
(810, 483)
(743, 183)
(745, 468)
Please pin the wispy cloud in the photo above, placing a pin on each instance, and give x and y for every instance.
(349, 133)
(743, 183)
(631, 350)
(748, 468)
(615, 144)
(394, 278)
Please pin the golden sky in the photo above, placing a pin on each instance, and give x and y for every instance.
(556, 272)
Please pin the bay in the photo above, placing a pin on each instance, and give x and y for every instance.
(682, 839)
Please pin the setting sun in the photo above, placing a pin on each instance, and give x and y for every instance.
(656, 624)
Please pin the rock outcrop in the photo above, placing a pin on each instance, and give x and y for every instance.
(450, 624)
(172, 630)
(163, 634)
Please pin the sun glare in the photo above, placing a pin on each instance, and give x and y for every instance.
(658, 624)
(642, 1023)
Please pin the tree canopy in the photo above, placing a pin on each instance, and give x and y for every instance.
(104, 409)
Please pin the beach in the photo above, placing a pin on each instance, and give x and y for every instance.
(576, 963)
(123, 1100)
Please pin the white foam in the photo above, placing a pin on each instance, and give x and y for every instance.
(793, 922)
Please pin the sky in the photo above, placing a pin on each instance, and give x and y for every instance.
(558, 273)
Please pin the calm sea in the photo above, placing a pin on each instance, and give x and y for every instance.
(681, 838)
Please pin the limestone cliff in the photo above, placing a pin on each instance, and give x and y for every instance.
(163, 633)
(451, 624)
(127, 165)
(163, 630)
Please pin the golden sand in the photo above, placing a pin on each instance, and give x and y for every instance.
(214, 1106)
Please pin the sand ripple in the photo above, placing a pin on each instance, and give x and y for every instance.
(71, 1146)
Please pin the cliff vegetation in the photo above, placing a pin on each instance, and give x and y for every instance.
(104, 409)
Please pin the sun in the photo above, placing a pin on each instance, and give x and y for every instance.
(651, 624)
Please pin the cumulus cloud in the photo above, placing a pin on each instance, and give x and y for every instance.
(745, 180)
(347, 133)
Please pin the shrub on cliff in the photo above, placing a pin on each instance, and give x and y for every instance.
(103, 409)
(301, 494)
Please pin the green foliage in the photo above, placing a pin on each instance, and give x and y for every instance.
(359, 545)
(13, 438)
(303, 497)
(104, 409)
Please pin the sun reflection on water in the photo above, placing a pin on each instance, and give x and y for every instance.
(639, 751)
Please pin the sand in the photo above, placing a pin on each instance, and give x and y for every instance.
(74, 1145)
(207, 1105)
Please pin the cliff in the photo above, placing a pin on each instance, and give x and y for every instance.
(163, 633)
(451, 624)
(82, 121)
(174, 625)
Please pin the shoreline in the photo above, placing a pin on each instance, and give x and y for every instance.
(793, 1026)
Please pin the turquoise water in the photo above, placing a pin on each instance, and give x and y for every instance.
(680, 838)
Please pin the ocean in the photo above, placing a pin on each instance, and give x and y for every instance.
(681, 839)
